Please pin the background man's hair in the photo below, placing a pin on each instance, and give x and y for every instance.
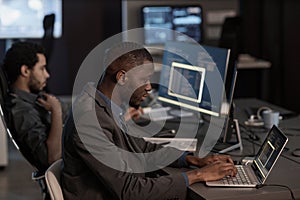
(21, 53)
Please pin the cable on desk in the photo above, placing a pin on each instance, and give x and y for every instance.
(252, 137)
(277, 185)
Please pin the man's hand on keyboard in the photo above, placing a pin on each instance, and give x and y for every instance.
(200, 162)
(213, 171)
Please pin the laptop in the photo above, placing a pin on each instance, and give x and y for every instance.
(256, 173)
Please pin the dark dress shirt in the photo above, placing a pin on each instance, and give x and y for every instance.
(96, 160)
(29, 123)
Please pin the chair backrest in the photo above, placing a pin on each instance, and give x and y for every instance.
(3, 86)
(3, 141)
(4, 121)
(52, 177)
(36, 175)
(231, 35)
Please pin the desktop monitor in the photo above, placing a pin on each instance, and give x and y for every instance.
(229, 123)
(193, 76)
(24, 19)
(160, 22)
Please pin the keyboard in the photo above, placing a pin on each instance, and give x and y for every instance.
(157, 114)
(241, 179)
(164, 113)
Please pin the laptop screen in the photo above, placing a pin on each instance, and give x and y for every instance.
(269, 153)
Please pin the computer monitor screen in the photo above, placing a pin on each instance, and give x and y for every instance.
(192, 77)
(159, 21)
(24, 19)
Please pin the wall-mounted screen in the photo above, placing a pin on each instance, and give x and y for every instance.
(159, 20)
(24, 18)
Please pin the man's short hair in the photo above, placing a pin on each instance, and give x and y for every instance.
(21, 53)
(125, 55)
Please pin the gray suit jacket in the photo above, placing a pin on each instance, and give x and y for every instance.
(103, 161)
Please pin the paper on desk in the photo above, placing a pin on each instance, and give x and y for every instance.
(184, 144)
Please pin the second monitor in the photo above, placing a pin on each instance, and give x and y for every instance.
(193, 77)
(161, 23)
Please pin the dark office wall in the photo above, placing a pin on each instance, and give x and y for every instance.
(86, 23)
(272, 31)
(291, 58)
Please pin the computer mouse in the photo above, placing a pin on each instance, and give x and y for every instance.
(296, 152)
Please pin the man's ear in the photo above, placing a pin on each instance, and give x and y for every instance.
(121, 77)
(25, 71)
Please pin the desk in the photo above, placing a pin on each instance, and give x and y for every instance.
(246, 61)
(285, 172)
(290, 126)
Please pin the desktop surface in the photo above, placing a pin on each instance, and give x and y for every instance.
(284, 173)
(284, 166)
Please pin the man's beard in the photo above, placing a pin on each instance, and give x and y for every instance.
(33, 86)
(34, 90)
(134, 105)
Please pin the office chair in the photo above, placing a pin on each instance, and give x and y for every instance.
(52, 177)
(3, 86)
(36, 175)
(231, 35)
(3, 138)
(231, 38)
(3, 142)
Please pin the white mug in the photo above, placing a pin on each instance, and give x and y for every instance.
(270, 118)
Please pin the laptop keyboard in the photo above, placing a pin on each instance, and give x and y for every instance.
(241, 178)
(164, 113)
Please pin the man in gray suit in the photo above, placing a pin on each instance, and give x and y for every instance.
(105, 159)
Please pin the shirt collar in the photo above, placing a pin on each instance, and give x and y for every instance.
(116, 110)
(26, 96)
(113, 109)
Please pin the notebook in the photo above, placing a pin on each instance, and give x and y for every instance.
(257, 172)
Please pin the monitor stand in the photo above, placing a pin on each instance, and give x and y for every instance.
(235, 130)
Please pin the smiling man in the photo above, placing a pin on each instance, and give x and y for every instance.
(104, 159)
(35, 117)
